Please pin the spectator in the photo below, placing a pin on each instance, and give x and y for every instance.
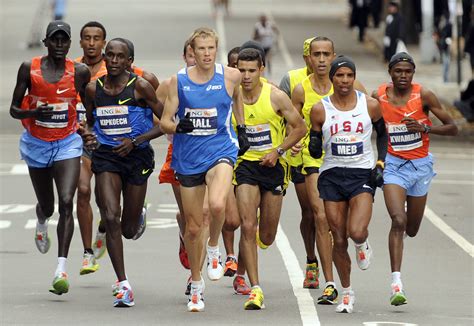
(359, 15)
(443, 36)
(466, 104)
(469, 45)
(394, 30)
(265, 32)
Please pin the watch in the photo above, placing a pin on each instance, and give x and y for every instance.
(134, 141)
(427, 129)
(280, 151)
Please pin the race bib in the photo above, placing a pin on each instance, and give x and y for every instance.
(204, 121)
(403, 140)
(347, 146)
(59, 118)
(113, 120)
(260, 137)
(81, 112)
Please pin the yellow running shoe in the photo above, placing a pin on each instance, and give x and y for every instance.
(89, 264)
(255, 300)
(60, 284)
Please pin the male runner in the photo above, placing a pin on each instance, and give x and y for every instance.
(347, 182)
(50, 145)
(261, 173)
(409, 165)
(93, 36)
(120, 107)
(204, 148)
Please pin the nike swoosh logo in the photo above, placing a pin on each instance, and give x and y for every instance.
(60, 91)
(367, 187)
(356, 115)
(341, 63)
(120, 102)
(145, 171)
(409, 114)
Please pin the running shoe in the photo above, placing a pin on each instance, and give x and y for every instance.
(115, 288)
(240, 287)
(363, 255)
(124, 298)
(255, 300)
(89, 265)
(142, 225)
(311, 279)
(42, 240)
(99, 245)
(60, 284)
(329, 296)
(347, 303)
(188, 286)
(215, 270)
(230, 266)
(398, 296)
(183, 254)
(196, 299)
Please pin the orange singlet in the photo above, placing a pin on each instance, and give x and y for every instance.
(401, 143)
(61, 95)
(167, 173)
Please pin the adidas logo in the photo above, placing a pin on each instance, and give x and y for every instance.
(251, 116)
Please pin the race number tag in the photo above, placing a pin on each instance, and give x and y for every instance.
(403, 140)
(347, 147)
(204, 120)
(59, 118)
(81, 112)
(260, 137)
(113, 120)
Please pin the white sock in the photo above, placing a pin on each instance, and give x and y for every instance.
(256, 287)
(196, 284)
(347, 289)
(396, 278)
(361, 245)
(42, 227)
(330, 283)
(231, 256)
(61, 268)
(241, 275)
(125, 283)
(212, 249)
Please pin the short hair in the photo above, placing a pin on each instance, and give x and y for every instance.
(185, 48)
(250, 55)
(203, 32)
(235, 50)
(128, 44)
(321, 38)
(94, 24)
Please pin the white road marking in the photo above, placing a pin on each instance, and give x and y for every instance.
(449, 231)
(168, 205)
(168, 210)
(5, 224)
(282, 46)
(19, 209)
(19, 169)
(308, 313)
(5, 208)
(220, 29)
(394, 323)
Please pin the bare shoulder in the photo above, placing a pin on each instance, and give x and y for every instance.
(277, 94)
(81, 69)
(232, 74)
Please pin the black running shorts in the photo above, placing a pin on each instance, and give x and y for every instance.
(341, 184)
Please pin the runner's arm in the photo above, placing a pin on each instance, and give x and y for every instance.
(379, 125)
(448, 128)
(168, 124)
(317, 117)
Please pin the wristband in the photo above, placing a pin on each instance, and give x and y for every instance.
(134, 141)
(280, 151)
(427, 129)
(381, 164)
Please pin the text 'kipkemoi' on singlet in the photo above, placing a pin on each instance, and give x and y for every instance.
(59, 118)
(113, 120)
(260, 137)
(204, 121)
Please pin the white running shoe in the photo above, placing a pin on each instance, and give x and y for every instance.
(363, 255)
(347, 303)
(196, 299)
(99, 245)
(42, 240)
(215, 270)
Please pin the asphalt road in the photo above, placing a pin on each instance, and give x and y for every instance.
(438, 264)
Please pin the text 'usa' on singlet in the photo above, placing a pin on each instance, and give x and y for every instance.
(346, 136)
(120, 115)
(265, 128)
(81, 110)
(310, 99)
(61, 95)
(210, 109)
(402, 143)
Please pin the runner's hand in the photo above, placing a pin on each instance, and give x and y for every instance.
(124, 148)
(376, 177)
(244, 143)
(185, 125)
(44, 111)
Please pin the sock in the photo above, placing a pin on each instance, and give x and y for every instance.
(196, 284)
(330, 283)
(311, 261)
(88, 251)
(256, 287)
(396, 278)
(212, 249)
(361, 245)
(42, 227)
(124, 284)
(347, 289)
(232, 256)
(61, 268)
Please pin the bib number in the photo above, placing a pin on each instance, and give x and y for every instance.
(260, 137)
(114, 120)
(59, 119)
(204, 121)
(347, 147)
(403, 140)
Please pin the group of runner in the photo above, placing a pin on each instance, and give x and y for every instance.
(236, 141)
